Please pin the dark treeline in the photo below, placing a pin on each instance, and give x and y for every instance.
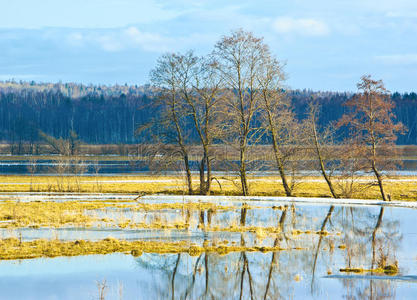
(332, 108)
(111, 114)
(101, 116)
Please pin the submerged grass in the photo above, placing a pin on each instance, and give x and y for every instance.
(388, 270)
(13, 248)
(85, 214)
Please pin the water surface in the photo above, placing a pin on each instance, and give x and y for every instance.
(356, 236)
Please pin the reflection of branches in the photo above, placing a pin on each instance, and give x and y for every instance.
(282, 220)
(293, 215)
(249, 274)
(207, 271)
(323, 226)
(270, 276)
(243, 212)
(275, 255)
(241, 279)
(173, 276)
(274, 258)
(201, 218)
(244, 269)
(371, 241)
(193, 280)
(377, 225)
(209, 215)
(102, 289)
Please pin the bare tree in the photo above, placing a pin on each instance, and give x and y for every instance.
(239, 57)
(188, 93)
(66, 147)
(280, 123)
(372, 126)
(320, 142)
(199, 89)
(166, 77)
(349, 165)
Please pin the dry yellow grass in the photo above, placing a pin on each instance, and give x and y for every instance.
(400, 188)
(50, 214)
(13, 248)
(83, 214)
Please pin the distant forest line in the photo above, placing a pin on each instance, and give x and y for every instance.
(111, 114)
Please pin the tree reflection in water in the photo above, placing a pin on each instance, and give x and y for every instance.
(315, 244)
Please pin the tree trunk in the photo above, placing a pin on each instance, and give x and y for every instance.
(188, 173)
(376, 172)
(203, 190)
(205, 173)
(320, 158)
(208, 182)
(277, 153)
(281, 169)
(182, 146)
(379, 179)
(243, 178)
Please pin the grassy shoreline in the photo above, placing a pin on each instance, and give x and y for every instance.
(399, 187)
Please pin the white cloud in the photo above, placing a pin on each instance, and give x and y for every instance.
(75, 39)
(146, 40)
(301, 26)
(118, 39)
(398, 59)
(127, 38)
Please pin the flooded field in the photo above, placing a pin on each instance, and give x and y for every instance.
(57, 246)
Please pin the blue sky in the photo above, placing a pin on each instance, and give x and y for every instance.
(327, 45)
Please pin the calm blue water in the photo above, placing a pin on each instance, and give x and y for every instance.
(88, 167)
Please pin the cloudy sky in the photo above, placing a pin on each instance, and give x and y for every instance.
(326, 44)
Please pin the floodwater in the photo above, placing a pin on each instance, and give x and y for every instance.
(86, 167)
(357, 235)
(113, 167)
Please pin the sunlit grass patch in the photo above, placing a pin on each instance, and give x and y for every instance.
(399, 188)
(35, 214)
(13, 248)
